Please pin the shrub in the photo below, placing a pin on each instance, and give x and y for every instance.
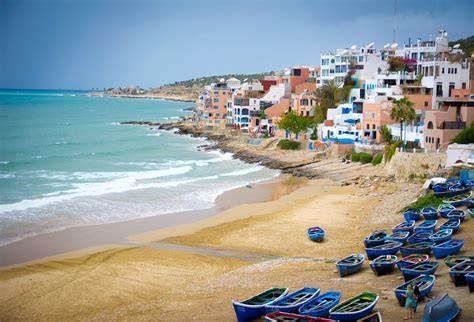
(377, 159)
(429, 200)
(466, 136)
(386, 134)
(390, 151)
(355, 157)
(288, 145)
(365, 157)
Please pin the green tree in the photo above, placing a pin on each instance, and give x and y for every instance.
(329, 96)
(396, 64)
(387, 136)
(294, 123)
(402, 112)
(466, 136)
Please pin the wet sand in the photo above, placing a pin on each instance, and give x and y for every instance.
(78, 238)
(193, 271)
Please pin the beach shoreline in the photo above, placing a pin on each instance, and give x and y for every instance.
(79, 238)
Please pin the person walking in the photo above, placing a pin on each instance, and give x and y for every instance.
(410, 303)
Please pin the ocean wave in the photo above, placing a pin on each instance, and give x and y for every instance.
(154, 134)
(4, 162)
(221, 157)
(129, 181)
(7, 175)
(242, 172)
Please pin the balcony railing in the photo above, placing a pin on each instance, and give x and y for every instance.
(453, 125)
(255, 113)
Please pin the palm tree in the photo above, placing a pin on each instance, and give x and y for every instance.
(403, 112)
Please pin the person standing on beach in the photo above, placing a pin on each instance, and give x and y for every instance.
(416, 292)
(410, 303)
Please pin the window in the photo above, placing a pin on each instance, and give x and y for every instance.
(430, 125)
(426, 103)
(325, 62)
(361, 59)
(455, 72)
(463, 85)
(373, 126)
(442, 70)
(368, 126)
(373, 115)
(216, 100)
(216, 107)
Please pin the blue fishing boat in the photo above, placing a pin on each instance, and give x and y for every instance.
(412, 259)
(350, 265)
(376, 238)
(444, 209)
(426, 226)
(411, 214)
(383, 264)
(418, 248)
(453, 260)
(320, 305)
(293, 301)
(411, 271)
(387, 248)
(316, 234)
(470, 211)
(440, 309)
(254, 307)
(458, 272)
(429, 213)
(419, 237)
(355, 307)
(459, 200)
(450, 247)
(453, 224)
(399, 236)
(470, 281)
(450, 190)
(457, 214)
(440, 187)
(404, 226)
(441, 235)
(424, 282)
(292, 317)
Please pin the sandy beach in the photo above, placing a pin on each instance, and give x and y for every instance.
(171, 274)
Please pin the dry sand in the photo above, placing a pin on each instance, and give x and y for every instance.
(192, 272)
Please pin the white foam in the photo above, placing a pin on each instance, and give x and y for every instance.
(154, 134)
(242, 172)
(7, 175)
(4, 162)
(128, 181)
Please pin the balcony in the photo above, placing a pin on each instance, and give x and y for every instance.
(255, 113)
(447, 125)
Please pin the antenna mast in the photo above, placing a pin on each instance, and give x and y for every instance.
(394, 20)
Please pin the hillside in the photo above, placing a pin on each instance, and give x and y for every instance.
(190, 89)
(467, 45)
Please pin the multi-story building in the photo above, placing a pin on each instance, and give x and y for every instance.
(442, 125)
(303, 103)
(213, 104)
(343, 123)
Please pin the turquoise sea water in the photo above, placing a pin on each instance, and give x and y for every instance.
(66, 161)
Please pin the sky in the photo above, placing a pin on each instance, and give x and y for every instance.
(73, 44)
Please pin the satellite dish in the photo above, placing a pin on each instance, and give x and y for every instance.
(353, 47)
(394, 45)
(386, 46)
(457, 46)
(370, 45)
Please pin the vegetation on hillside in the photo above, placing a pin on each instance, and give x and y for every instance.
(329, 96)
(466, 136)
(402, 112)
(467, 45)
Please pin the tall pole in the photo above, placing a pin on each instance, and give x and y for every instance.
(394, 20)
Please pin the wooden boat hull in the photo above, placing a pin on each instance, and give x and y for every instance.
(347, 310)
(458, 272)
(351, 268)
(445, 209)
(411, 214)
(288, 303)
(453, 224)
(470, 281)
(292, 317)
(429, 213)
(457, 214)
(373, 317)
(451, 193)
(421, 248)
(375, 239)
(248, 312)
(412, 259)
(419, 237)
(440, 309)
(399, 236)
(450, 247)
(453, 260)
(413, 271)
(427, 226)
(389, 248)
(404, 226)
(316, 234)
(424, 282)
(442, 235)
(320, 306)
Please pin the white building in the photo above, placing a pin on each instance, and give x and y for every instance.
(343, 124)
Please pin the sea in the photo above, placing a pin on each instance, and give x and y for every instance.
(66, 161)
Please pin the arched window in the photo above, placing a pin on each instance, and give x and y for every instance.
(430, 125)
